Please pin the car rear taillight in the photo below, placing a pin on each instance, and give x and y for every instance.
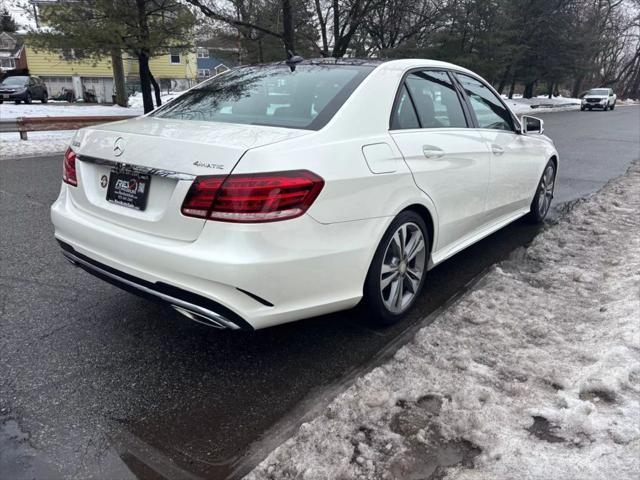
(69, 168)
(251, 198)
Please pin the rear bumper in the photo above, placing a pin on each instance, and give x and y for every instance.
(195, 307)
(253, 275)
(13, 96)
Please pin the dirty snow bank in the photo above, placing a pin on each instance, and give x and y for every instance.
(535, 374)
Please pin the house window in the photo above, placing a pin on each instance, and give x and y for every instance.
(7, 63)
(174, 58)
(6, 41)
(203, 53)
(221, 68)
(204, 72)
(72, 54)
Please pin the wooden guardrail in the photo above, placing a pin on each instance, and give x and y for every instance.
(23, 125)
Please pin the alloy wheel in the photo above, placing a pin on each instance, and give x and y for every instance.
(545, 192)
(403, 266)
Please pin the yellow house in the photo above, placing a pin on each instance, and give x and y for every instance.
(176, 66)
(68, 69)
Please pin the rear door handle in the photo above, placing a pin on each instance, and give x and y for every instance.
(497, 149)
(430, 151)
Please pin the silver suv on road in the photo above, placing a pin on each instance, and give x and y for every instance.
(603, 98)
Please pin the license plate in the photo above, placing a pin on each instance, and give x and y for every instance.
(129, 189)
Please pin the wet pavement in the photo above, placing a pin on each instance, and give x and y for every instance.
(97, 383)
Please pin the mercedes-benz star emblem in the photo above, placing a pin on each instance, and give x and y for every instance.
(118, 146)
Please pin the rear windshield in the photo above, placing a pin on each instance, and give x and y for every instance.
(306, 98)
(13, 81)
(598, 91)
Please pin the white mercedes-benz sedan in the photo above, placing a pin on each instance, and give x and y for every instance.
(278, 192)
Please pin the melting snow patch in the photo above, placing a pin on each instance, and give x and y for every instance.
(534, 374)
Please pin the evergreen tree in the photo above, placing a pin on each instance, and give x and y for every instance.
(145, 28)
(7, 23)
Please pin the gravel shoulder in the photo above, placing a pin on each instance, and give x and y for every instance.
(533, 374)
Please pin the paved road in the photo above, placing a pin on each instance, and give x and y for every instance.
(97, 382)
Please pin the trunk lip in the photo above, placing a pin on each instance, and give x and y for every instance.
(172, 174)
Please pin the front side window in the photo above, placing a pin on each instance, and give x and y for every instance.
(273, 95)
(489, 110)
(435, 99)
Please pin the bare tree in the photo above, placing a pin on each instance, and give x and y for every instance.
(245, 16)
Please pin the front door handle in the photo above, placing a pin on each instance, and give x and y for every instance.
(430, 151)
(497, 149)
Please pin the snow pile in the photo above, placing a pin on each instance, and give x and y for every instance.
(135, 100)
(42, 143)
(63, 109)
(39, 143)
(540, 104)
(533, 374)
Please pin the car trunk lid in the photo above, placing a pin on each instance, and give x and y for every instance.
(165, 155)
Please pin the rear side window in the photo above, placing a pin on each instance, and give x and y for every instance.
(273, 95)
(404, 115)
(489, 110)
(435, 99)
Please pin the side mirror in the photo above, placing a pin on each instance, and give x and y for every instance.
(531, 125)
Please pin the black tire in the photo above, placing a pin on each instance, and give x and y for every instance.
(45, 97)
(27, 99)
(606, 107)
(582, 109)
(540, 208)
(612, 107)
(374, 305)
(17, 101)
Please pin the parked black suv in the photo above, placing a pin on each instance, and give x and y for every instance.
(23, 88)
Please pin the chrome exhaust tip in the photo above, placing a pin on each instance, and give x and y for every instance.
(198, 317)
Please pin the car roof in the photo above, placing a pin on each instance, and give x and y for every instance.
(365, 62)
(384, 63)
(408, 63)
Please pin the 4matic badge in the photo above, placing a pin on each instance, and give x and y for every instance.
(215, 166)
